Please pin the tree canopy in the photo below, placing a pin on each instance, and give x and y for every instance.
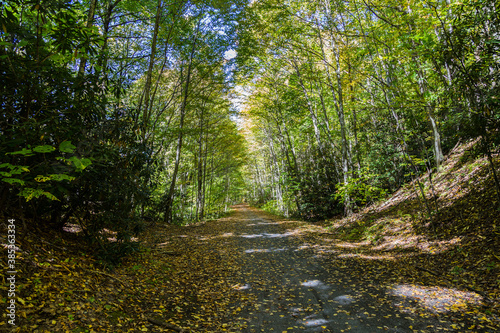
(348, 100)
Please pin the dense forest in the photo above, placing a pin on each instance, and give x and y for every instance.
(119, 114)
(116, 112)
(250, 165)
(348, 100)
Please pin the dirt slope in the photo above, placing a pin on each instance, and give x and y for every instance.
(457, 246)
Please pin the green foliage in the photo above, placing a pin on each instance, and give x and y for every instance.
(370, 85)
(271, 207)
(68, 151)
(30, 186)
(315, 199)
(85, 139)
(360, 189)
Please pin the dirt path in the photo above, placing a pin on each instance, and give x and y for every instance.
(297, 284)
(247, 272)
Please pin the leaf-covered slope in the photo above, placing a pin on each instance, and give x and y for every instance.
(458, 243)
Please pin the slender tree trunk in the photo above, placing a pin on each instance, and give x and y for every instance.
(346, 161)
(204, 189)
(90, 22)
(292, 164)
(438, 151)
(170, 197)
(103, 58)
(276, 174)
(199, 197)
(226, 199)
(486, 148)
(354, 120)
(314, 118)
(145, 97)
(337, 95)
(259, 181)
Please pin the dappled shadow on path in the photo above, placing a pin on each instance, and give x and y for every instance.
(304, 279)
(300, 277)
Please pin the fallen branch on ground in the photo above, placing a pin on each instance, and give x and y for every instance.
(110, 276)
(166, 325)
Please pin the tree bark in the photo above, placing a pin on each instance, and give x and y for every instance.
(339, 105)
(199, 196)
(145, 97)
(90, 22)
(314, 118)
(170, 196)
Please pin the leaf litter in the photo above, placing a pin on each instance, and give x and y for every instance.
(382, 269)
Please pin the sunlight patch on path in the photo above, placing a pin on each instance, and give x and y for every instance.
(266, 235)
(241, 287)
(264, 250)
(314, 284)
(344, 299)
(364, 256)
(315, 322)
(437, 299)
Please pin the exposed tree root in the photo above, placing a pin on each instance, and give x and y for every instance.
(166, 325)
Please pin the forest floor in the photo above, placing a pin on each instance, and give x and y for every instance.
(386, 268)
(248, 272)
(458, 245)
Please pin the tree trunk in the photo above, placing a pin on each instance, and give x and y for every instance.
(90, 22)
(314, 118)
(103, 58)
(199, 196)
(339, 105)
(145, 97)
(438, 152)
(170, 197)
